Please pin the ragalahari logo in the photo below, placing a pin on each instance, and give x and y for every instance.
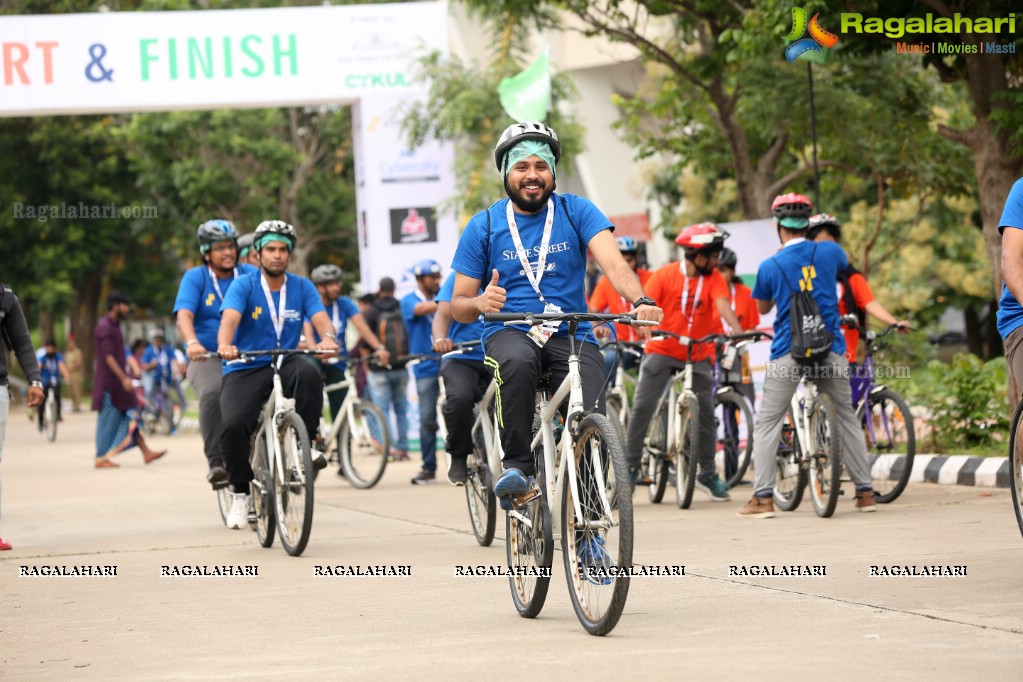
(814, 48)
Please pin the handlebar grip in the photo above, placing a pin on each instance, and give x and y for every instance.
(502, 317)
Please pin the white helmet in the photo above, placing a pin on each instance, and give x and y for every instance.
(528, 130)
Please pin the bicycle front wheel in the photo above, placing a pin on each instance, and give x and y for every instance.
(479, 494)
(51, 418)
(825, 461)
(363, 443)
(789, 475)
(1016, 465)
(735, 429)
(262, 491)
(687, 449)
(293, 486)
(891, 443)
(656, 464)
(596, 527)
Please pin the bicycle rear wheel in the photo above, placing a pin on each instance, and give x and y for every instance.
(687, 449)
(363, 443)
(790, 476)
(735, 426)
(891, 439)
(51, 417)
(656, 464)
(825, 460)
(479, 493)
(1016, 465)
(293, 487)
(529, 539)
(261, 490)
(597, 543)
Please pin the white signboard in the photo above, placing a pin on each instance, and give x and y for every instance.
(214, 59)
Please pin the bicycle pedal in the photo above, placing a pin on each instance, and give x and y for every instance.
(519, 501)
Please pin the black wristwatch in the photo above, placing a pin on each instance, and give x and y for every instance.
(645, 300)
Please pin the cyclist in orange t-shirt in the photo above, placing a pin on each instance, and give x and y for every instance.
(695, 299)
(854, 293)
(745, 308)
(605, 299)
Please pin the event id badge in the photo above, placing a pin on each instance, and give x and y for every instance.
(542, 333)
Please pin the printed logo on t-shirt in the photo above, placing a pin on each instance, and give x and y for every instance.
(257, 312)
(210, 299)
(509, 254)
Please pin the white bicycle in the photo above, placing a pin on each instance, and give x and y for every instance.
(585, 477)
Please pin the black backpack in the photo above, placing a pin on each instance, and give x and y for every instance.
(811, 339)
(392, 333)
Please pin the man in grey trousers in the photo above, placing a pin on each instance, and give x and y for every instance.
(802, 266)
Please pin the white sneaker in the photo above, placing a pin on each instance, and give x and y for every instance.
(238, 517)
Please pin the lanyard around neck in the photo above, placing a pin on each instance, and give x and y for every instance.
(216, 282)
(685, 295)
(545, 242)
(278, 320)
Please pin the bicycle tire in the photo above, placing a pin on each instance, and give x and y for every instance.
(262, 491)
(363, 459)
(657, 466)
(224, 502)
(613, 409)
(51, 417)
(789, 474)
(737, 445)
(479, 493)
(598, 593)
(825, 474)
(1016, 467)
(687, 451)
(892, 469)
(293, 488)
(527, 549)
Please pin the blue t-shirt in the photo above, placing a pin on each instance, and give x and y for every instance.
(564, 277)
(458, 332)
(256, 329)
(163, 357)
(420, 334)
(779, 276)
(198, 294)
(49, 367)
(1010, 313)
(339, 312)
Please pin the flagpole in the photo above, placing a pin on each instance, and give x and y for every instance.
(813, 135)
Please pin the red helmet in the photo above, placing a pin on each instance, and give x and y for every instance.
(702, 238)
(791, 205)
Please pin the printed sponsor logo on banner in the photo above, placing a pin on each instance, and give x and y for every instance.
(366, 81)
(413, 225)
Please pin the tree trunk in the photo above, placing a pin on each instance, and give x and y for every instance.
(996, 171)
(46, 326)
(994, 339)
(84, 315)
(974, 339)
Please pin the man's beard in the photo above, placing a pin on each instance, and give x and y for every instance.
(121, 316)
(704, 271)
(274, 273)
(529, 206)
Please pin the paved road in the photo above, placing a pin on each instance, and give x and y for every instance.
(288, 623)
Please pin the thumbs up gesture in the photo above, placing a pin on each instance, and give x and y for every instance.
(493, 297)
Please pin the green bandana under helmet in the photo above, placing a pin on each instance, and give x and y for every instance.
(525, 149)
(262, 241)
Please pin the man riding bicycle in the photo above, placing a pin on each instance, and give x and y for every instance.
(265, 310)
(605, 299)
(801, 265)
(53, 369)
(695, 299)
(197, 309)
(528, 252)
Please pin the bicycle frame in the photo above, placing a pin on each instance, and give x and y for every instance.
(491, 436)
(799, 404)
(345, 414)
(275, 405)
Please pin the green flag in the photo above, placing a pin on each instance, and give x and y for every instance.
(526, 96)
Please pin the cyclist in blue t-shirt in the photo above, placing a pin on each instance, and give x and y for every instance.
(802, 265)
(265, 310)
(197, 309)
(1010, 312)
(465, 379)
(341, 311)
(528, 254)
(156, 370)
(417, 310)
(53, 369)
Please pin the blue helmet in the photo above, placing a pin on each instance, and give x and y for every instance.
(627, 244)
(213, 231)
(427, 266)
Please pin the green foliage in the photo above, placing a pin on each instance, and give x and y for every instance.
(967, 403)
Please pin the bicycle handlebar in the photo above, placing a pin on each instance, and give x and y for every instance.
(534, 319)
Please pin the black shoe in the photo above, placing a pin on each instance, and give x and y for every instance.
(217, 476)
(458, 471)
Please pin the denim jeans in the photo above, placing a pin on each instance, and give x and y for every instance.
(429, 392)
(389, 387)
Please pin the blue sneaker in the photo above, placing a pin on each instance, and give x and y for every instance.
(595, 562)
(510, 485)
